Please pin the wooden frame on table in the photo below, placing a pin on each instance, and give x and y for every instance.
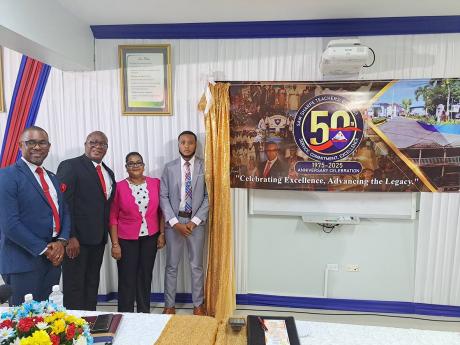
(145, 79)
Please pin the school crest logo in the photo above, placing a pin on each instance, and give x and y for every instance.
(326, 129)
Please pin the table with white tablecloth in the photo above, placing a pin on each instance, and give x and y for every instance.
(322, 333)
(148, 329)
(144, 328)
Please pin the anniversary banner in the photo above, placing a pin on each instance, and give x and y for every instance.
(388, 136)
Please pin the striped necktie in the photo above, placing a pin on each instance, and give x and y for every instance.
(188, 188)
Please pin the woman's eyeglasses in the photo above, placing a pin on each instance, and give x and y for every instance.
(134, 164)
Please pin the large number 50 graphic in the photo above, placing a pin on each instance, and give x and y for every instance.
(316, 123)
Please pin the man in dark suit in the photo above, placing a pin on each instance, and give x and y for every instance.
(184, 202)
(34, 221)
(89, 190)
(273, 166)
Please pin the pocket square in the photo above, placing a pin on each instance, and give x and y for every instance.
(63, 187)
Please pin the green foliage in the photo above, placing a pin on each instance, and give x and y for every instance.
(432, 121)
(439, 91)
(406, 103)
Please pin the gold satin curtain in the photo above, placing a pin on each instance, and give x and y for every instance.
(220, 282)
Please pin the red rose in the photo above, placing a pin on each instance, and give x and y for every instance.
(55, 339)
(63, 187)
(38, 319)
(70, 331)
(25, 324)
(6, 323)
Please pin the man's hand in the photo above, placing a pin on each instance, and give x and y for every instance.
(183, 229)
(55, 253)
(190, 225)
(73, 248)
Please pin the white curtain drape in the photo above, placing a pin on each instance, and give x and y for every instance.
(437, 275)
(76, 103)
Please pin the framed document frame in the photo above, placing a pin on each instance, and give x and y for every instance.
(145, 79)
(2, 98)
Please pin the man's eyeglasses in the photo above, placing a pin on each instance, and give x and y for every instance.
(97, 143)
(43, 144)
(134, 165)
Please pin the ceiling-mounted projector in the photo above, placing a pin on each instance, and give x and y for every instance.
(344, 57)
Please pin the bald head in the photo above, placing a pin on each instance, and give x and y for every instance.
(96, 146)
(97, 133)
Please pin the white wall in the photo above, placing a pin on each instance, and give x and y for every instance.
(284, 256)
(47, 32)
(288, 257)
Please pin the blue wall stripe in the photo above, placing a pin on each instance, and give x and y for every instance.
(349, 305)
(363, 306)
(37, 98)
(290, 28)
(38, 94)
(13, 102)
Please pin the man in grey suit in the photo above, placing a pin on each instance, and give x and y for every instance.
(184, 202)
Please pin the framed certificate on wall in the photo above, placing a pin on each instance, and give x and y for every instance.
(145, 79)
(2, 98)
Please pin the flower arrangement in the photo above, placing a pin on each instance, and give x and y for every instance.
(42, 323)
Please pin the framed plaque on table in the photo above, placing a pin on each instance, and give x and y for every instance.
(270, 330)
(145, 79)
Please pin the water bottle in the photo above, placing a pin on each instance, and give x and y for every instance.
(28, 298)
(56, 296)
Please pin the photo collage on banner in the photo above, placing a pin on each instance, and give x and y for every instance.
(377, 136)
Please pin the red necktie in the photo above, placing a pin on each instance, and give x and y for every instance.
(46, 190)
(101, 178)
(267, 169)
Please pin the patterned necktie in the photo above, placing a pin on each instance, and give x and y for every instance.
(46, 191)
(267, 169)
(101, 179)
(188, 188)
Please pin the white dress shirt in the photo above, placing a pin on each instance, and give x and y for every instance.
(107, 179)
(196, 220)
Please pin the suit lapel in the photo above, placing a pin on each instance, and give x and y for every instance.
(57, 186)
(112, 178)
(31, 178)
(177, 171)
(196, 171)
(89, 166)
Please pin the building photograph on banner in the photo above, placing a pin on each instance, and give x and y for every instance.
(376, 136)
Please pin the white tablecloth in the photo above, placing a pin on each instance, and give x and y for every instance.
(145, 329)
(322, 333)
(134, 329)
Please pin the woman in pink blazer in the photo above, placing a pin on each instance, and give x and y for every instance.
(136, 231)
